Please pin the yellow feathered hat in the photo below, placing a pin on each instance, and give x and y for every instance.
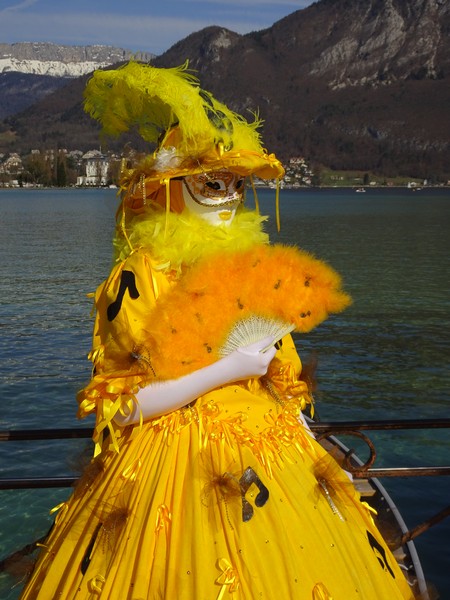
(194, 133)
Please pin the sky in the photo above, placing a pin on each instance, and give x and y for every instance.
(136, 25)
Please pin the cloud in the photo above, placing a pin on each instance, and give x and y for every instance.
(18, 7)
(146, 33)
(289, 5)
(146, 30)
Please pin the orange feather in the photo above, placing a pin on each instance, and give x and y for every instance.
(193, 320)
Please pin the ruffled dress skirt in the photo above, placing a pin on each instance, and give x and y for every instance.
(229, 498)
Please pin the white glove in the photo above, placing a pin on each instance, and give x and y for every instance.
(162, 397)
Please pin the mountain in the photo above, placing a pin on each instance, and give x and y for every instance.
(42, 58)
(20, 90)
(31, 71)
(349, 84)
(346, 83)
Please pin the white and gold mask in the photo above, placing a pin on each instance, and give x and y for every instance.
(214, 196)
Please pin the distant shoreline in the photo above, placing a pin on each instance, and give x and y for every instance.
(354, 188)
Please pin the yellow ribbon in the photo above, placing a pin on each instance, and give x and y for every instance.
(166, 183)
(255, 195)
(284, 379)
(277, 204)
(109, 410)
(163, 518)
(131, 472)
(96, 584)
(227, 578)
(63, 507)
(320, 592)
(123, 226)
(96, 353)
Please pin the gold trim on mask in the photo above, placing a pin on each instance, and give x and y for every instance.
(203, 186)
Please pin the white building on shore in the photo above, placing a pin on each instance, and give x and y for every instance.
(96, 167)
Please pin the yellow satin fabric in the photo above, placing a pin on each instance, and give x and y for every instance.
(163, 517)
(116, 377)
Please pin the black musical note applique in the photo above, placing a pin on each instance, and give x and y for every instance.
(127, 282)
(248, 478)
(88, 554)
(380, 553)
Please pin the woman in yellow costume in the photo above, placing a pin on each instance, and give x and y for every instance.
(206, 482)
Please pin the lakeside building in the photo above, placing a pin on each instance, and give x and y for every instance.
(13, 164)
(97, 167)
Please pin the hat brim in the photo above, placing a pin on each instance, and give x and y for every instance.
(242, 162)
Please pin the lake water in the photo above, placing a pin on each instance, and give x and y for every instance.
(386, 357)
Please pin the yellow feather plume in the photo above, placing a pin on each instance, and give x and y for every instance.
(156, 100)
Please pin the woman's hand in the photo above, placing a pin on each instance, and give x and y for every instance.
(162, 397)
(249, 361)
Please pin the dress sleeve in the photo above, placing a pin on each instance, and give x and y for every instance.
(121, 363)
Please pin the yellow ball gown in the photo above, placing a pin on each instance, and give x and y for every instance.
(229, 497)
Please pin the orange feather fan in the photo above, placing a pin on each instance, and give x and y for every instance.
(190, 326)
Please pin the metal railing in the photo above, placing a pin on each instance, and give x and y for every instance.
(355, 428)
(320, 429)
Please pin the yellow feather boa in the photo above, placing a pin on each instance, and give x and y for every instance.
(177, 241)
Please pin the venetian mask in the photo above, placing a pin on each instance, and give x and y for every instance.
(214, 196)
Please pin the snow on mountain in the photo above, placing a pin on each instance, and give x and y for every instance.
(42, 58)
(51, 67)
